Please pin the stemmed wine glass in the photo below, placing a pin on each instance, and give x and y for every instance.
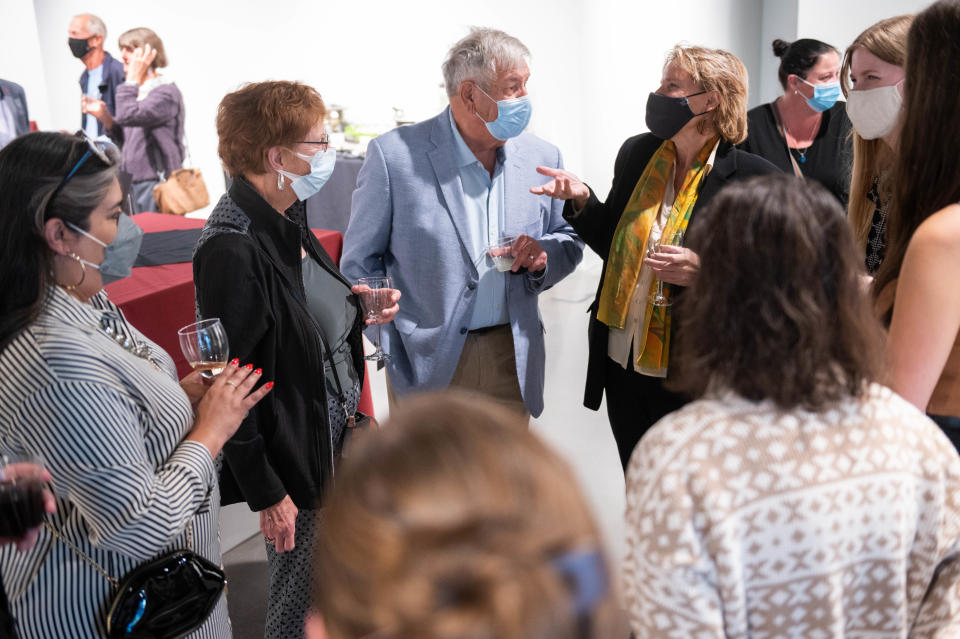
(204, 344)
(658, 298)
(376, 296)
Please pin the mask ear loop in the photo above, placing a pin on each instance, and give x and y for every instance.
(83, 273)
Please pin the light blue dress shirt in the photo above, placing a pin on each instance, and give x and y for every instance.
(94, 80)
(483, 202)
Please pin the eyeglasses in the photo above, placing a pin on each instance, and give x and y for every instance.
(324, 144)
(93, 150)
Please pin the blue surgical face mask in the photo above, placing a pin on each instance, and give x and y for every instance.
(513, 116)
(119, 255)
(824, 95)
(321, 167)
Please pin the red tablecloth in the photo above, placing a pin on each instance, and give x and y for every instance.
(159, 300)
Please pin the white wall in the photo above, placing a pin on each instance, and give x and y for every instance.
(20, 56)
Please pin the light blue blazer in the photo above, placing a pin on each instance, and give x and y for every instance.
(408, 221)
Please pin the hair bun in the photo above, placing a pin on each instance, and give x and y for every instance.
(780, 47)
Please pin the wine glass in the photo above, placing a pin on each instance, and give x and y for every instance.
(658, 298)
(204, 344)
(376, 296)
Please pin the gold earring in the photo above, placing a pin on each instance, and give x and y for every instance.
(83, 273)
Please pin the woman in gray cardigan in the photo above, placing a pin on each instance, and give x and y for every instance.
(150, 110)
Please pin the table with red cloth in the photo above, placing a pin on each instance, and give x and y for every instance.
(159, 300)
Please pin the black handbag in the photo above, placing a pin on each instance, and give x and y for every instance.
(165, 598)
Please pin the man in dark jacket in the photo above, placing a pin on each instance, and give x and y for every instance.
(99, 81)
(14, 120)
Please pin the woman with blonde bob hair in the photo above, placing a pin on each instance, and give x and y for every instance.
(872, 79)
(456, 522)
(660, 180)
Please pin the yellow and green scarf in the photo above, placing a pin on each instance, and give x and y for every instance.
(627, 250)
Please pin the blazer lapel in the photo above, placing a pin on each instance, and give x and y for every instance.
(723, 167)
(444, 162)
(514, 190)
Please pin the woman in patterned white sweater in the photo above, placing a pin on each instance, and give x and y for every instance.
(796, 497)
(130, 450)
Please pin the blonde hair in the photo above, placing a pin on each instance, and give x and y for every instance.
(872, 159)
(446, 524)
(140, 36)
(720, 71)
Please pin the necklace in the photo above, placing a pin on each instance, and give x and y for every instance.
(129, 344)
(803, 152)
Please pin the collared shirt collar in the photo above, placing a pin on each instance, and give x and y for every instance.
(62, 306)
(465, 156)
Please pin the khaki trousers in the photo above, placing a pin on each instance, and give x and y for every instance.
(488, 366)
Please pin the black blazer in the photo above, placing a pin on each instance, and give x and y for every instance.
(597, 222)
(247, 271)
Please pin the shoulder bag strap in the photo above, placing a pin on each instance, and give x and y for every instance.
(783, 135)
(155, 156)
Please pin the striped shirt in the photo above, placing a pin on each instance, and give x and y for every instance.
(109, 426)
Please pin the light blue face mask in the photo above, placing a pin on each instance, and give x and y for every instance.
(321, 167)
(119, 255)
(513, 116)
(824, 95)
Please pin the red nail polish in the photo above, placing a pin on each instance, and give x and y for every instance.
(235, 361)
(259, 371)
(248, 366)
(269, 385)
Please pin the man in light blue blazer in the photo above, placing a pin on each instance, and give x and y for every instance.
(431, 200)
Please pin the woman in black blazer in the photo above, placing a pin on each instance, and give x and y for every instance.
(695, 117)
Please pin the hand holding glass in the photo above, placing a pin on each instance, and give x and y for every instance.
(204, 344)
(657, 298)
(377, 296)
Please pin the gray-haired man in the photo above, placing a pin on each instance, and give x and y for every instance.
(431, 198)
(86, 36)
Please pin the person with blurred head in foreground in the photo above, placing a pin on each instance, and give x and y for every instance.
(455, 522)
(796, 496)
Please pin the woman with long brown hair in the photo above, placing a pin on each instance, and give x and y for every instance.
(923, 252)
(872, 79)
(796, 496)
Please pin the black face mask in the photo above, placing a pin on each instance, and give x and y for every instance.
(79, 47)
(666, 116)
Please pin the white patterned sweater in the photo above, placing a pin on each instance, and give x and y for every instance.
(747, 521)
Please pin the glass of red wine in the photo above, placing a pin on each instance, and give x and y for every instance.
(21, 494)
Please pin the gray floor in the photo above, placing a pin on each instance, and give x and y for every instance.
(582, 436)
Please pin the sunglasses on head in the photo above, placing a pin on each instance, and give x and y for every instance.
(95, 148)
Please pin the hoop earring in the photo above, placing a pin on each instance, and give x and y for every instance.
(83, 273)
(279, 182)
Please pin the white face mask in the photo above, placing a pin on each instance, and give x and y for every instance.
(875, 112)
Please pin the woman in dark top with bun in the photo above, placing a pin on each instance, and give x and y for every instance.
(805, 131)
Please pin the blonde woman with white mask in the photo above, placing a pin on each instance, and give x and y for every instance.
(872, 78)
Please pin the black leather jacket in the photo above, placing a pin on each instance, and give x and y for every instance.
(247, 271)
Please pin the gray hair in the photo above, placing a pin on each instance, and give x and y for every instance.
(95, 26)
(77, 199)
(479, 56)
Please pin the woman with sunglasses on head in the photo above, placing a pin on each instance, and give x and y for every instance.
(285, 304)
(806, 130)
(872, 78)
(916, 283)
(661, 180)
(130, 449)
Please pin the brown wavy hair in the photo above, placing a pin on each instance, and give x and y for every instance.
(777, 310)
(927, 176)
(445, 524)
(263, 115)
(872, 159)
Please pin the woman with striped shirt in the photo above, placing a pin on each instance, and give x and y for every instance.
(130, 449)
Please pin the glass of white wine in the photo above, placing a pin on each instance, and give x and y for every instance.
(204, 344)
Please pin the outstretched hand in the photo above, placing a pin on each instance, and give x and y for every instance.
(563, 186)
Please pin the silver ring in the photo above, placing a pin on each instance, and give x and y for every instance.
(229, 383)
(532, 257)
